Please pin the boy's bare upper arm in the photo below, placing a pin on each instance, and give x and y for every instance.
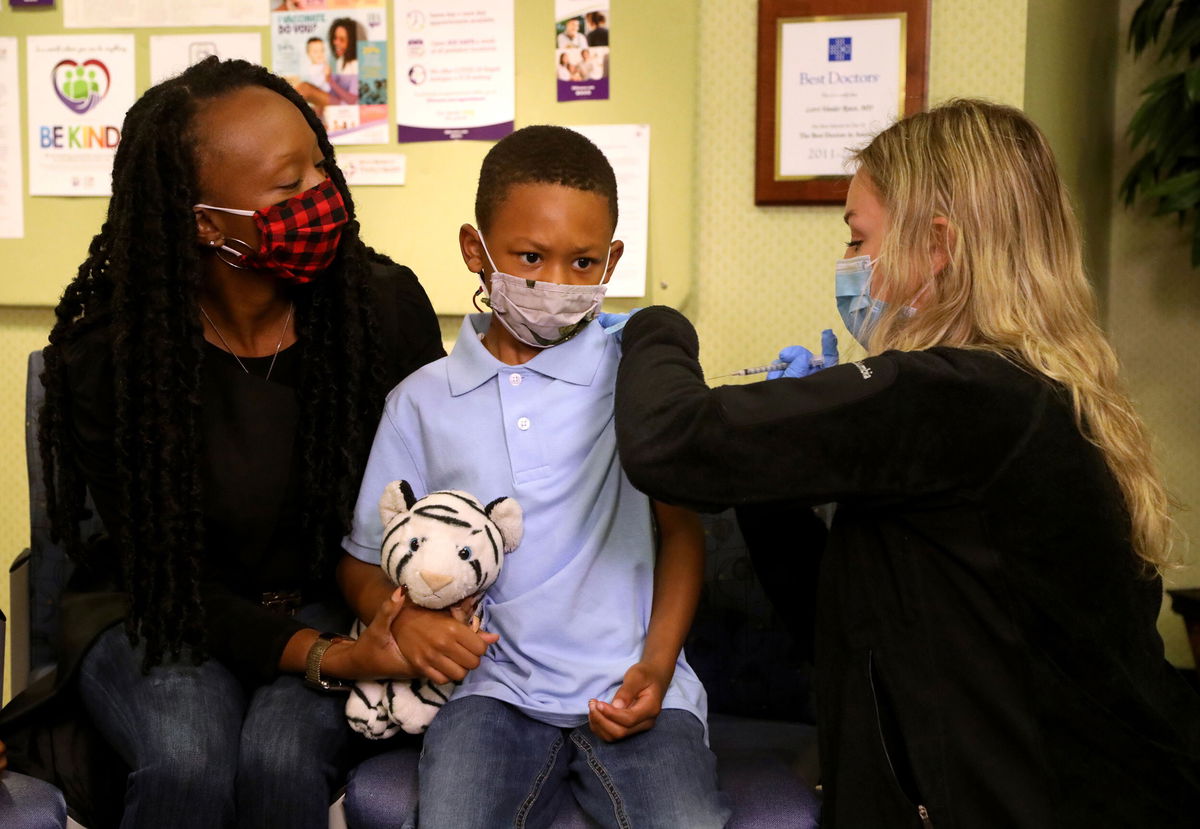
(677, 523)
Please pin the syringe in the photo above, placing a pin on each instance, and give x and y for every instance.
(778, 365)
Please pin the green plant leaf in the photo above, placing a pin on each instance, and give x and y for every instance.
(1146, 23)
(1159, 112)
(1185, 29)
(1177, 194)
(1176, 150)
(1139, 177)
(1192, 81)
(1166, 124)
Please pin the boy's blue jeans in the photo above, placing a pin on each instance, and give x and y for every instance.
(486, 764)
(206, 754)
(29, 803)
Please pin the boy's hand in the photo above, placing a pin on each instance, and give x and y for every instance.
(438, 646)
(635, 706)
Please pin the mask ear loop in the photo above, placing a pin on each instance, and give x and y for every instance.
(482, 276)
(246, 245)
(607, 259)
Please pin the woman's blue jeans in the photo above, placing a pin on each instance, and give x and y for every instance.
(485, 764)
(207, 754)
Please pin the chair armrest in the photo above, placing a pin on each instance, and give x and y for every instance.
(18, 591)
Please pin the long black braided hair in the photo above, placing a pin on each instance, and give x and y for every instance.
(141, 277)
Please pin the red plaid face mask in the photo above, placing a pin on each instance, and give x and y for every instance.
(298, 238)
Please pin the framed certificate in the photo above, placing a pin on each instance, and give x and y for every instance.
(831, 75)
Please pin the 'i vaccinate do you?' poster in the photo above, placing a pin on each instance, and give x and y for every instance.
(455, 69)
(335, 54)
(78, 88)
(581, 49)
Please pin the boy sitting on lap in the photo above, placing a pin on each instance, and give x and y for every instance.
(586, 689)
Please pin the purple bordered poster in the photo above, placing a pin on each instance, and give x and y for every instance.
(31, 4)
(454, 70)
(581, 52)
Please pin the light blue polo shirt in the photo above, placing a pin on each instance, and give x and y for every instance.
(573, 601)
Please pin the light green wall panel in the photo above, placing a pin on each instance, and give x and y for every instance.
(418, 223)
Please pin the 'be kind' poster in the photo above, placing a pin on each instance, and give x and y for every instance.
(78, 88)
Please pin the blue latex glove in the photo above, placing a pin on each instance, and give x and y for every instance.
(829, 349)
(613, 323)
(799, 358)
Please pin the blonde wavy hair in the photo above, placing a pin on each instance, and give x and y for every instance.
(973, 186)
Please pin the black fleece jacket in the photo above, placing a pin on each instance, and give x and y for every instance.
(986, 642)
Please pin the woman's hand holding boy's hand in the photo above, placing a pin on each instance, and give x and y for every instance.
(635, 706)
(438, 646)
(373, 655)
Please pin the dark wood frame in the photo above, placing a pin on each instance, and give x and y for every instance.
(825, 189)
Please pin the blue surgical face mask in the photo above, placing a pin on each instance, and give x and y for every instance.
(852, 287)
(860, 311)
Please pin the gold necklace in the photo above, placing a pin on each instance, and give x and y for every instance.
(278, 345)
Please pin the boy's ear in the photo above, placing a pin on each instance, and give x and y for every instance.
(472, 248)
(614, 256)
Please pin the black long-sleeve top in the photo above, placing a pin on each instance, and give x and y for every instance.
(986, 642)
(251, 476)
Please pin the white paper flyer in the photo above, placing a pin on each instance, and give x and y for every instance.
(627, 148)
(12, 196)
(454, 70)
(171, 54)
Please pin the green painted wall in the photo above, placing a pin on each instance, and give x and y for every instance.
(1070, 72)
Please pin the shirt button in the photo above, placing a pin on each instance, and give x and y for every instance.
(514, 379)
(523, 423)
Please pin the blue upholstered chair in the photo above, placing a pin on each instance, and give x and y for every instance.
(758, 686)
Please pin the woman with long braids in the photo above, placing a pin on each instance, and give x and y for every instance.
(213, 380)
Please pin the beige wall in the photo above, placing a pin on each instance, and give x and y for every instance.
(765, 274)
(1070, 72)
(1153, 317)
(1082, 87)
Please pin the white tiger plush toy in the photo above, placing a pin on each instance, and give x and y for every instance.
(443, 549)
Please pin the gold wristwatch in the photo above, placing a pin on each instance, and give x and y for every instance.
(312, 669)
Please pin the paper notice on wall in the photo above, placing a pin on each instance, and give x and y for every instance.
(78, 89)
(122, 14)
(455, 69)
(171, 54)
(372, 168)
(337, 59)
(12, 197)
(627, 148)
(581, 53)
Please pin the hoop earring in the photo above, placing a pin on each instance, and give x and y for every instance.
(227, 261)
